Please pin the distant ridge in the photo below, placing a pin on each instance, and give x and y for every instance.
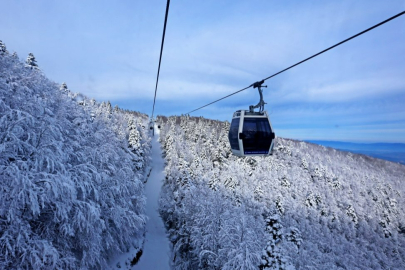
(394, 152)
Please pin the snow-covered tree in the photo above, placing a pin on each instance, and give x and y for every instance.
(3, 49)
(63, 87)
(109, 108)
(312, 207)
(116, 109)
(70, 193)
(31, 62)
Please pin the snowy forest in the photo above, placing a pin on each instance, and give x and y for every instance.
(304, 207)
(73, 171)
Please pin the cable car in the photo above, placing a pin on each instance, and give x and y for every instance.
(251, 133)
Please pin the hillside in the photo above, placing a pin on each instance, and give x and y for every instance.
(72, 193)
(304, 207)
(71, 173)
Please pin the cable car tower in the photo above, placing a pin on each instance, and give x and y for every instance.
(251, 133)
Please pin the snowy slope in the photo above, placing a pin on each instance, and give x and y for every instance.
(71, 174)
(156, 250)
(305, 207)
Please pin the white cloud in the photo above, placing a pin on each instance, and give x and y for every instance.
(355, 90)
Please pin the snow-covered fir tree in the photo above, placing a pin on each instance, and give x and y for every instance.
(63, 87)
(3, 49)
(109, 107)
(31, 62)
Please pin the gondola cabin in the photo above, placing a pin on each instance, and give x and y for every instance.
(251, 134)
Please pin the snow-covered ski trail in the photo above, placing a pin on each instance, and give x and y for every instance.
(156, 250)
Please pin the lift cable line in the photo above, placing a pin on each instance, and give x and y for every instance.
(275, 74)
(161, 51)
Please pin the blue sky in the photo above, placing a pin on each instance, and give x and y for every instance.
(109, 50)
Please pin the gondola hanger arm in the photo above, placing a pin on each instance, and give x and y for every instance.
(261, 103)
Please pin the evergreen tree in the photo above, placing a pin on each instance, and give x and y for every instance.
(3, 49)
(64, 87)
(31, 62)
(109, 108)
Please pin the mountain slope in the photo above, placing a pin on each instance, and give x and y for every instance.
(304, 207)
(71, 171)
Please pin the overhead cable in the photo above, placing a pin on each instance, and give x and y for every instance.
(161, 51)
(337, 44)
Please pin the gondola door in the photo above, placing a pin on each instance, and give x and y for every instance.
(234, 131)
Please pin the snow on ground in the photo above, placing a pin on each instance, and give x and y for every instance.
(156, 250)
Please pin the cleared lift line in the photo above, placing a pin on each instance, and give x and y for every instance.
(306, 59)
(156, 250)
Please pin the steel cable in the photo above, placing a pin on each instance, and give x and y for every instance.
(331, 47)
(160, 58)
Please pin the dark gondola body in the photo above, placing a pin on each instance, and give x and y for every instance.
(251, 134)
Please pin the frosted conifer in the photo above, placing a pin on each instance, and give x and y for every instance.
(109, 107)
(3, 49)
(63, 87)
(31, 62)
